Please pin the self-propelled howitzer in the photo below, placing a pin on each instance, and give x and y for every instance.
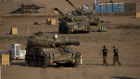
(44, 51)
(90, 14)
(71, 24)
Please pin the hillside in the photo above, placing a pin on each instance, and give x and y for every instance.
(6, 7)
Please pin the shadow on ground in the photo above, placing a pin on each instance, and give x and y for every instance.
(99, 65)
(94, 64)
(50, 66)
(52, 32)
(18, 63)
(123, 77)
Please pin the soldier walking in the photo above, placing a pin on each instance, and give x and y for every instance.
(104, 50)
(116, 57)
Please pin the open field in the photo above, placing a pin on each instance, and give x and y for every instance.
(123, 33)
(127, 40)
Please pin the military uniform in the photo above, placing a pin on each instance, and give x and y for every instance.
(116, 57)
(104, 50)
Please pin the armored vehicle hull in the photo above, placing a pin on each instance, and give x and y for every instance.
(72, 27)
(93, 20)
(45, 57)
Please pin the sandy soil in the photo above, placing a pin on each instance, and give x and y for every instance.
(126, 40)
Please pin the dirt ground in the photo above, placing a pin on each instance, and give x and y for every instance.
(127, 40)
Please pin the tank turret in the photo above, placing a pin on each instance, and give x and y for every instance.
(48, 42)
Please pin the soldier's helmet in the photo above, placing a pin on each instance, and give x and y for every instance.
(113, 47)
(103, 46)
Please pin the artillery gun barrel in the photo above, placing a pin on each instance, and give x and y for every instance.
(60, 12)
(37, 7)
(75, 43)
(71, 4)
(65, 18)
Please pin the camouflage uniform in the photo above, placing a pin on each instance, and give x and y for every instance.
(104, 50)
(116, 57)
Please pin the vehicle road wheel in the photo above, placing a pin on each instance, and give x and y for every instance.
(69, 30)
(60, 30)
(27, 62)
(88, 29)
(58, 64)
(77, 61)
(46, 62)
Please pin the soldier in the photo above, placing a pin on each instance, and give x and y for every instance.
(104, 50)
(0, 57)
(116, 57)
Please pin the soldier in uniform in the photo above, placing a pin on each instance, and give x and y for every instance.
(116, 57)
(0, 56)
(104, 50)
